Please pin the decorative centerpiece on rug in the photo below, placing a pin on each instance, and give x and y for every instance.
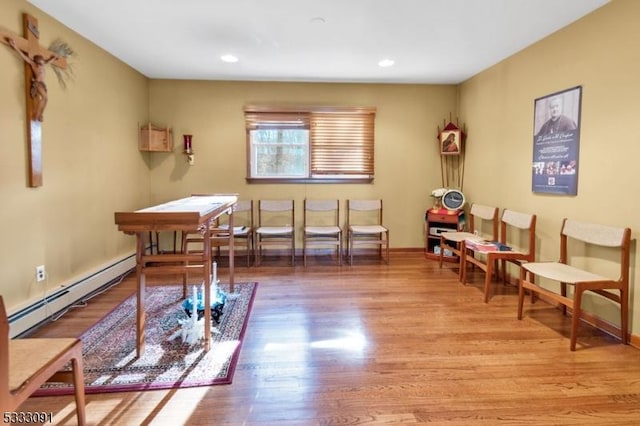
(218, 299)
(192, 330)
(193, 327)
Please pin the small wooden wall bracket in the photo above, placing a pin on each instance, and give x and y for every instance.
(155, 138)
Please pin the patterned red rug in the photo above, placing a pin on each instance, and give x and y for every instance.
(109, 347)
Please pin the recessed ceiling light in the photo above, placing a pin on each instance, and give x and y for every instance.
(386, 63)
(317, 20)
(229, 58)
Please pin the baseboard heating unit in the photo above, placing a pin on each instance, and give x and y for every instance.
(58, 300)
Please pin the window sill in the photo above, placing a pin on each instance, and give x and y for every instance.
(308, 180)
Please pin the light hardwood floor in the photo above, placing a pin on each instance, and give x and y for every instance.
(403, 343)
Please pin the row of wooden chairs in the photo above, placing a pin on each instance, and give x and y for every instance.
(515, 227)
(321, 228)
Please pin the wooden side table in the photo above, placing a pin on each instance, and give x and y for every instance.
(436, 222)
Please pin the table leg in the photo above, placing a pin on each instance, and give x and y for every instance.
(231, 253)
(207, 288)
(488, 277)
(140, 278)
(463, 263)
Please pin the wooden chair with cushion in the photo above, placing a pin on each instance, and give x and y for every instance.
(365, 227)
(478, 216)
(321, 227)
(512, 225)
(276, 219)
(26, 364)
(585, 240)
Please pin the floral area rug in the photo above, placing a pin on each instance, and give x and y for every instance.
(109, 347)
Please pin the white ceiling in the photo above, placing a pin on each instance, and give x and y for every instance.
(431, 41)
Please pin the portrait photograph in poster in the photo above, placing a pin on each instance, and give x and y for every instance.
(556, 142)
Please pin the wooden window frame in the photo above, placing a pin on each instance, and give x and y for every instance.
(341, 142)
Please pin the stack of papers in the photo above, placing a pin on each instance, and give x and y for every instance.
(484, 245)
(235, 228)
(480, 245)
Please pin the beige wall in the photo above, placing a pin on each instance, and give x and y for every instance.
(407, 161)
(91, 164)
(601, 53)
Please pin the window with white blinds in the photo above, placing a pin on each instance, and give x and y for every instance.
(310, 144)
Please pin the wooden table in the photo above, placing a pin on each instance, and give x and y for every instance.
(195, 213)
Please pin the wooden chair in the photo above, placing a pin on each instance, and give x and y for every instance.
(242, 230)
(192, 242)
(365, 227)
(589, 236)
(478, 215)
(321, 226)
(511, 223)
(26, 364)
(276, 219)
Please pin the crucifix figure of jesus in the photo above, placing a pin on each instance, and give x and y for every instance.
(36, 59)
(38, 90)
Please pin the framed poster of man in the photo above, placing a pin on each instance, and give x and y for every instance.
(556, 142)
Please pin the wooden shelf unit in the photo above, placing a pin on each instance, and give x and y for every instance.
(436, 222)
(155, 139)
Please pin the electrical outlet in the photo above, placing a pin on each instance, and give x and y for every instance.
(41, 273)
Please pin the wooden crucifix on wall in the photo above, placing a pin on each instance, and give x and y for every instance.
(36, 58)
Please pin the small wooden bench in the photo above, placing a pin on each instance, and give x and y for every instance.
(581, 279)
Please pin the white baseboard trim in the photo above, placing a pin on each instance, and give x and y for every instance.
(56, 302)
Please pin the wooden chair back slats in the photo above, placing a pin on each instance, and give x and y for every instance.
(321, 205)
(483, 212)
(517, 219)
(591, 233)
(275, 205)
(365, 205)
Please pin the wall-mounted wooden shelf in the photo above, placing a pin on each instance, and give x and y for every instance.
(154, 138)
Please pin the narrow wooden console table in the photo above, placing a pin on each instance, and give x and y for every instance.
(195, 213)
